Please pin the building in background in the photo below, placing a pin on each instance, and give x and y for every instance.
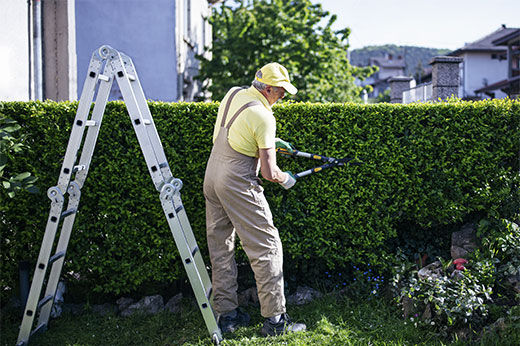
(511, 84)
(485, 63)
(49, 45)
(389, 66)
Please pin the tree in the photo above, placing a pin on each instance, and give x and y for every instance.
(249, 34)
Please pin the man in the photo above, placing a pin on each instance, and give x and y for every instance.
(243, 143)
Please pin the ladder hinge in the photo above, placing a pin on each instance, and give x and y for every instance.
(45, 300)
(78, 168)
(56, 256)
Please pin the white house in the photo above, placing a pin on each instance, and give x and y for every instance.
(484, 64)
(46, 45)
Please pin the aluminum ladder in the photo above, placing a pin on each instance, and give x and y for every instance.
(116, 66)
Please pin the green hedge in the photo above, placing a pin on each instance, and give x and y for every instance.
(428, 165)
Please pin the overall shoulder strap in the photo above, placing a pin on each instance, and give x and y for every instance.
(247, 105)
(228, 103)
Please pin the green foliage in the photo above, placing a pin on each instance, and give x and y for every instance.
(500, 244)
(455, 301)
(430, 165)
(446, 301)
(383, 97)
(297, 34)
(10, 147)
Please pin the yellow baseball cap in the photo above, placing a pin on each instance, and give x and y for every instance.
(276, 75)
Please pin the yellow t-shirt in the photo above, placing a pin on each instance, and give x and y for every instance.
(254, 128)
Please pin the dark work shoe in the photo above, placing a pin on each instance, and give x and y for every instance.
(232, 320)
(285, 325)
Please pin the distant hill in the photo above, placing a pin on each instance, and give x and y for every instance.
(412, 55)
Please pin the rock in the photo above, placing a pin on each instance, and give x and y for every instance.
(248, 296)
(123, 303)
(433, 270)
(458, 252)
(148, 305)
(463, 241)
(174, 304)
(463, 334)
(408, 306)
(514, 281)
(427, 314)
(457, 275)
(104, 309)
(303, 295)
(57, 306)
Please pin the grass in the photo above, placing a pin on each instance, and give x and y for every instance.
(331, 320)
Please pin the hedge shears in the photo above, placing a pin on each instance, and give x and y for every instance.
(330, 161)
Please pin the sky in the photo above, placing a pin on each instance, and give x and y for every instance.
(425, 23)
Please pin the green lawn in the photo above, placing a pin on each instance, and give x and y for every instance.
(331, 320)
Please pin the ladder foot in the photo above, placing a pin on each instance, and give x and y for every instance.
(216, 339)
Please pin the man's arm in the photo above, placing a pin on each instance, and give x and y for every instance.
(268, 167)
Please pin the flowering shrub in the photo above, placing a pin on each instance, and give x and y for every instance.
(449, 300)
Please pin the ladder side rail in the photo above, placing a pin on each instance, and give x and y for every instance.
(136, 118)
(93, 131)
(147, 116)
(187, 259)
(56, 196)
(74, 189)
(41, 265)
(78, 127)
(191, 241)
(52, 283)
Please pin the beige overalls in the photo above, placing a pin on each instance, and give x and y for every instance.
(235, 202)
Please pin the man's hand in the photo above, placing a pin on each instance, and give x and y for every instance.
(290, 181)
(279, 143)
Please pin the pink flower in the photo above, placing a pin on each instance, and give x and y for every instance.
(459, 263)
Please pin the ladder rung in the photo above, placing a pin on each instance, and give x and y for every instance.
(208, 295)
(68, 212)
(104, 78)
(194, 251)
(147, 122)
(164, 164)
(131, 76)
(56, 257)
(179, 208)
(41, 328)
(91, 123)
(45, 301)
